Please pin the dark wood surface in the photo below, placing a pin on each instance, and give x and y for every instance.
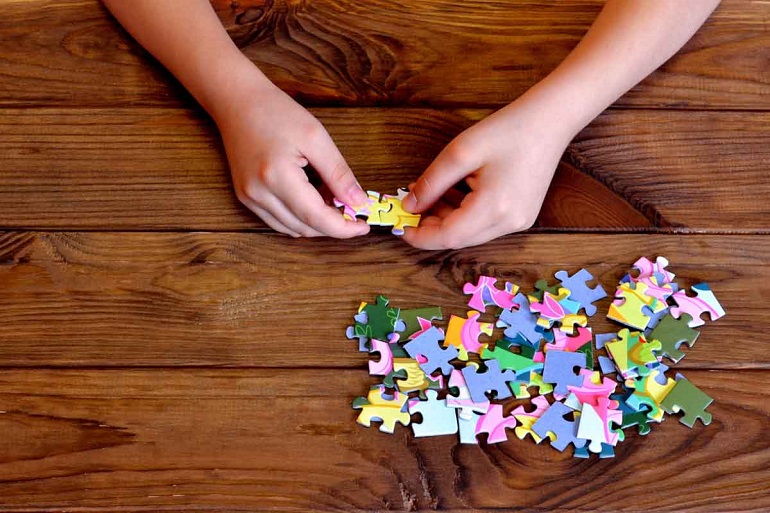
(160, 349)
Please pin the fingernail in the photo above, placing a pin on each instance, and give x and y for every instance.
(409, 203)
(357, 195)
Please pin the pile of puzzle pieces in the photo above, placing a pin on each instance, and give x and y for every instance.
(382, 210)
(456, 377)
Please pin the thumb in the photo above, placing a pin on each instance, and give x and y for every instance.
(325, 158)
(451, 166)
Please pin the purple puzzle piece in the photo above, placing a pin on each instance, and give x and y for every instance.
(559, 368)
(603, 338)
(565, 430)
(520, 322)
(492, 379)
(579, 291)
(434, 357)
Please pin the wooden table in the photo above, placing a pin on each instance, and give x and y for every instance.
(161, 349)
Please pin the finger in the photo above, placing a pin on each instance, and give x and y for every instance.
(284, 214)
(269, 219)
(444, 172)
(306, 203)
(465, 226)
(327, 160)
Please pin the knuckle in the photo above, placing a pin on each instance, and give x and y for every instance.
(459, 154)
(451, 241)
(521, 223)
(340, 173)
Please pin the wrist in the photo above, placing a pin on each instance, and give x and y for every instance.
(228, 84)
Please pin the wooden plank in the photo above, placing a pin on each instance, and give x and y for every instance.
(413, 52)
(286, 440)
(179, 299)
(164, 169)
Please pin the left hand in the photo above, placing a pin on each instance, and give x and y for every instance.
(507, 160)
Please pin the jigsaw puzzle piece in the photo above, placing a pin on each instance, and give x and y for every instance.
(492, 380)
(417, 320)
(553, 308)
(411, 377)
(378, 406)
(384, 365)
(629, 303)
(671, 333)
(704, 302)
(691, 400)
(463, 334)
(553, 424)
(632, 353)
(560, 369)
(394, 215)
(484, 293)
(364, 210)
(521, 322)
(607, 451)
(427, 348)
(437, 418)
(580, 291)
(494, 424)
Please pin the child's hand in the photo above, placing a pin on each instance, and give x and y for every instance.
(507, 160)
(269, 139)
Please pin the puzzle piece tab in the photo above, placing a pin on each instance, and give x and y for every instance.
(580, 291)
(433, 357)
(491, 379)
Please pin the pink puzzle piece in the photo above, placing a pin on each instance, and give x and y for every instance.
(384, 365)
(648, 269)
(425, 325)
(495, 424)
(527, 419)
(486, 294)
(705, 301)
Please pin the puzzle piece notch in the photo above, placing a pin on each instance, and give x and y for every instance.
(437, 418)
(577, 284)
(704, 302)
(689, 399)
(378, 406)
(384, 365)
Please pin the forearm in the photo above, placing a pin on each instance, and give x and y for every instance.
(187, 37)
(627, 42)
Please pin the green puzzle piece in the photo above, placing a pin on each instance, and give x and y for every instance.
(412, 325)
(690, 399)
(672, 333)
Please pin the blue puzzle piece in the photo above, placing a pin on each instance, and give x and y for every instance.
(603, 338)
(553, 421)
(428, 346)
(607, 366)
(559, 369)
(437, 418)
(491, 380)
(579, 291)
(520, 322)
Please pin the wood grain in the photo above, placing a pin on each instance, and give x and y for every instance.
(163, 300)
(164, 169)
(410, 52)
(287, 440)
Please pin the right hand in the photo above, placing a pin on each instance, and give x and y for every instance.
(269, 138)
